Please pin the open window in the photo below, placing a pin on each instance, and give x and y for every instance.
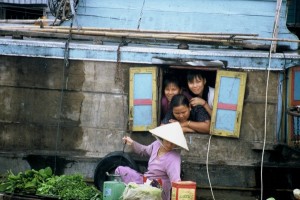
(146, 92)
(180, 72)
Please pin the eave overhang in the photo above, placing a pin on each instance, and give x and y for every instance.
(239, 59)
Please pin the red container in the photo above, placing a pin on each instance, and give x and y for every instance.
(158, 180)
(184, 190)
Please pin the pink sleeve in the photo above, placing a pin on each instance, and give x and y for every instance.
(142, 150)
(173, 168)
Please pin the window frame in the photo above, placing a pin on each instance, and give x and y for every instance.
(238, 107)
(134, 103)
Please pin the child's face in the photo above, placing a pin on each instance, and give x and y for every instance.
(197, 85)
(171, 90)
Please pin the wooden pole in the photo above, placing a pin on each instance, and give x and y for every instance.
(183, 37)
(276, 24)
(25, 21)
(105, 37)
(136, 31)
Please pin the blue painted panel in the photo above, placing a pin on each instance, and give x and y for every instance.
(223, 16)
(216, 22)
(146, 55)
(121, 23)
(91, 55)
(111, 3)
(142, 86)
(31, 50)
(240, 7)
(229, 90)
(172, 16)
(142, 115)
(297, 86)
(225, 120)
(142, 90)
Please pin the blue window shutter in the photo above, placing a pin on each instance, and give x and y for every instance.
(228, 103)
(143, 98)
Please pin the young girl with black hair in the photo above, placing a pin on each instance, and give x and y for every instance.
(202, 94)
(171, 87)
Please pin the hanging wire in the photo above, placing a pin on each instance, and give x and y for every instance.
(63, 87)
(141, 14)
(207, 155)
(272, 48)
(62, 9)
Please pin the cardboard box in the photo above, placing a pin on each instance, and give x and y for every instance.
(184, 190)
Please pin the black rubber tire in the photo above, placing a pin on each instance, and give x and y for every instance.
(109, 163)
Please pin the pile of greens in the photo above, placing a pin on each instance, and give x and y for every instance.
(44, 183)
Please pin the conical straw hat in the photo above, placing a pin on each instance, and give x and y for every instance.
(171, 132)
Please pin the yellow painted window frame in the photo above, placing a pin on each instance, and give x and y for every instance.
(242, 76)
(139, 70)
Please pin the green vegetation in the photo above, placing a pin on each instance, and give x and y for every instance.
(44, 183)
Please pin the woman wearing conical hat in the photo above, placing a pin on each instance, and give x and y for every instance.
(164, 162)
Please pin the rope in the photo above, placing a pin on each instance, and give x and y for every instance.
(272, 48)
(211, 190)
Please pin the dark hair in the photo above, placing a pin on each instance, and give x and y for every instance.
(171, 80)
(193, 74)
(179, 100)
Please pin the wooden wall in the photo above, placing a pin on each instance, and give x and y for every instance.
(220, 16)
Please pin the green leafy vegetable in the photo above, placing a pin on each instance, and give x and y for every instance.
(43, 182)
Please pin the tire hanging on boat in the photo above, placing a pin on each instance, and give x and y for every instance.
(109, 163)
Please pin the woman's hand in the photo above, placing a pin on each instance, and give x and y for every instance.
(197, 101)
(127, 140)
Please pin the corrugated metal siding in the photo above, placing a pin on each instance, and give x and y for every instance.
(25, 1)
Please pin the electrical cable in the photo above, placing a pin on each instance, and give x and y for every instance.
(211, 190)
(284, 103)
(279, 2)
(141, 14)
(63, 87)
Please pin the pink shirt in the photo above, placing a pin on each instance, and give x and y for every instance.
(167, 167)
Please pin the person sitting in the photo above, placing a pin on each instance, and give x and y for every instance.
(191, 119)
(171, 87)
(201, 93)
(164, 162)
